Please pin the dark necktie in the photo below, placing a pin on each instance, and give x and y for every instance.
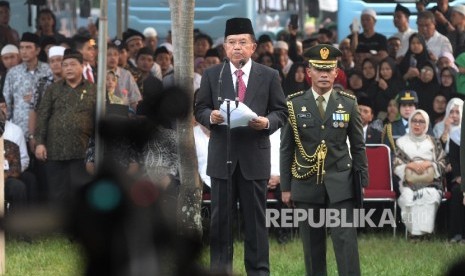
(320, 106)
(241, 89)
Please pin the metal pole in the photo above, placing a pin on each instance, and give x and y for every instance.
(126, 14)
(302, 16)
(101, 80)
(119, 29)
(2, 209)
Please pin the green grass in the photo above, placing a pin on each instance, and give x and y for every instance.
(46, 256)
(380, 254)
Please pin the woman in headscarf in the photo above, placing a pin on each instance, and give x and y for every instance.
(426, 86)
(439, 109)
(446, 59)
(447, 82)
(416, 56)
(448, 131)
(295, 80)
(419, 164)
(390, 83)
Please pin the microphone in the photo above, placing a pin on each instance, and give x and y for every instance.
(241, 63)
(220, 81)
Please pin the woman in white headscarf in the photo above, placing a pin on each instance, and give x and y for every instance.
(419, 164)
(448, 131)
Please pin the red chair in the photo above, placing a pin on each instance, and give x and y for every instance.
(380, 187)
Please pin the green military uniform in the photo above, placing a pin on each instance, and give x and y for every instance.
(317, 169)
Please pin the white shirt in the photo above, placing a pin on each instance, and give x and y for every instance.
(87, 67)
(201, 147)
(405, 122)
(275, 141)
(404, 38)
(15, 134)
(365, 128)
(438, 44)
(325, 96)
(245, 77)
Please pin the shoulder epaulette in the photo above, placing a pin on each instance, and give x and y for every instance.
(295, 94)
(345, 94)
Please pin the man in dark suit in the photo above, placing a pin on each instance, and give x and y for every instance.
(259, 88)
(316, 167)
(370, 134)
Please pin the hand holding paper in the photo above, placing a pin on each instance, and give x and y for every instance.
(240, 115)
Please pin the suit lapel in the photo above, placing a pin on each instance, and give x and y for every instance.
(228, 85)
(253, 84)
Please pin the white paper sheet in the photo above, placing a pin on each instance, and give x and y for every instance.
(240, 115)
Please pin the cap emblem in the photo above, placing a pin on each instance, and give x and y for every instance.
(324, 53)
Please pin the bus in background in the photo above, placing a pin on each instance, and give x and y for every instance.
(210, 15)
(350, 9)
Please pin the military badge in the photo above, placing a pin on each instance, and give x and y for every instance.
(324, 53)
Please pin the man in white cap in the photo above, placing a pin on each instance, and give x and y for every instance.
(151, 38)
(457, 36)
(375, 41)
(55, 58)
(281, 49)
(9, 58)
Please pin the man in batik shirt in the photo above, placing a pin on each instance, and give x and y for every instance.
(21, 81)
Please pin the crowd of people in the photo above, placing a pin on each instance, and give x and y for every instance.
(409, 88)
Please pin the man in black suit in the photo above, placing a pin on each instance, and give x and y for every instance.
(316, 167)
(370, 134)
(259, 88)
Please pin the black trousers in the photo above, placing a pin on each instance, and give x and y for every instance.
(64, 177)
(456, 212)
(252, 198)
(15, 193)
(344, 241)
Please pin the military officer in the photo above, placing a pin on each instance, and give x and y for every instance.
(316, 167)
(408, 101)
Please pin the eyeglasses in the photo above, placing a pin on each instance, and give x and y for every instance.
(424, 70)
(418, 122)
(241, 43)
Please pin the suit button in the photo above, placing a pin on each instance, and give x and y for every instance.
(304, 125)
(322, 126)
(348, 165)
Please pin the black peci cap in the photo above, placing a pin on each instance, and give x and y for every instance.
(238, 25)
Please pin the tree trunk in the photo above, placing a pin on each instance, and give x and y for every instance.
(190, 196)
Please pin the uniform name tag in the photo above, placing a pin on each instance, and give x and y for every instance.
(304, 115)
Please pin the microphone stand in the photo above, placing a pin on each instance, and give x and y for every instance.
(229, 236)
(229, 199)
